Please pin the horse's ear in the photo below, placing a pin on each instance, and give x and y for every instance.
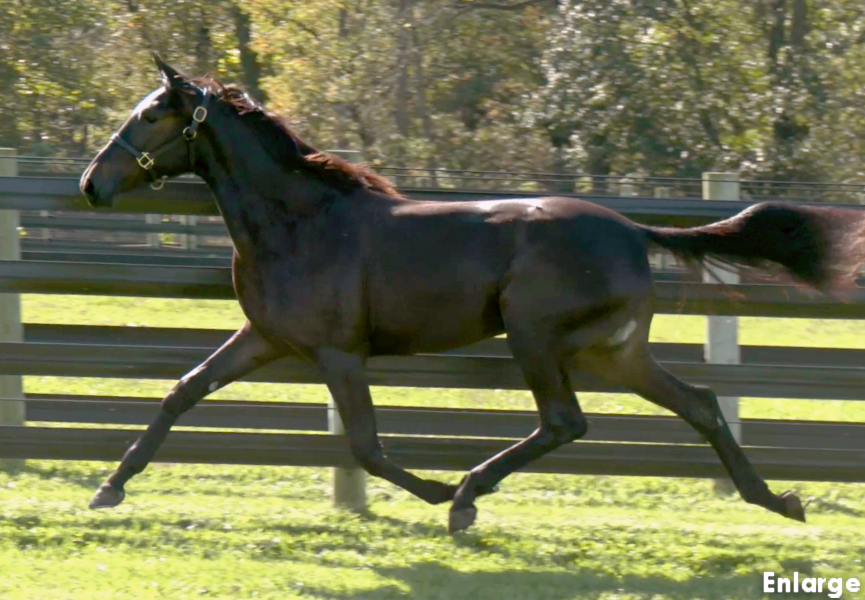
(170, 76)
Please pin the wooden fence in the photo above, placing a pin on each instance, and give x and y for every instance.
(416, 438)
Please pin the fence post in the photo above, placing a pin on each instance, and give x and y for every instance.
(153, 238)
(627, 190)
(349, 484)
(665, 260)
(188, 241)
(12, 409)
(662, 192)
(722, 332)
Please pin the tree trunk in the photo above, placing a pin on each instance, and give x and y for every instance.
(85, 138)
(420, 91)
(342, 109)
(692, 51)
(776, 33)
(343, 22)
(248, 58)
(141, 24)
(402, 68)
(599, 163)
(203, 45)
(799, 28)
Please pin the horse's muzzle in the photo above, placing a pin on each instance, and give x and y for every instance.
(90, 190)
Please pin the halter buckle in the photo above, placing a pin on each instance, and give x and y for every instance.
(199, 114)
(189, 134)
(145, 161)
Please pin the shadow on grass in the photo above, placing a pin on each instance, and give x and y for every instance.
(515, 572)
(469, 539)
(433, 580)
(60, 473)
(829, 507)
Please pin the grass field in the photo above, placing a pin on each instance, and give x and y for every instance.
(237, 532)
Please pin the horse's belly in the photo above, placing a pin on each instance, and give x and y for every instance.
(434, 324)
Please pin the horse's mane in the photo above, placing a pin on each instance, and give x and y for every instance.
(331, 169)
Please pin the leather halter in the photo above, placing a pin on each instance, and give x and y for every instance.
(147, 160)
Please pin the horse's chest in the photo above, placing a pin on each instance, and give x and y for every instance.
(304, 302)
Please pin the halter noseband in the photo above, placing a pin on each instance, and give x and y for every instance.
(147, 160)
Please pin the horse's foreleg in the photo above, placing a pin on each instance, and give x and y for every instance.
(245, 351)
(346, 380)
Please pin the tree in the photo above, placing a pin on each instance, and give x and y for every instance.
(682, 86)
(770, 88)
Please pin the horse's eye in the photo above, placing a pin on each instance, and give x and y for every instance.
(150, 118)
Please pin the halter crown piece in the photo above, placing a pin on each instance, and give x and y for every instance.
(147, 160)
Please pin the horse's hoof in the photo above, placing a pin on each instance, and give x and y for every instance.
(107, 497)
(793, 506)
(461, 518)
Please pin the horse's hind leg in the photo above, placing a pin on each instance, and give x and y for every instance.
(561, 421)
(634, 367)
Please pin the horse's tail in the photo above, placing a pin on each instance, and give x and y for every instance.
(823, 247)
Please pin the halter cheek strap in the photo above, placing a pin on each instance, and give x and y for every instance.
(147, 160)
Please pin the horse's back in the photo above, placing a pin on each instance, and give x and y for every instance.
(504, 210)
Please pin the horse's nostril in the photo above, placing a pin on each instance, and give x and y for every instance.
(87, 188)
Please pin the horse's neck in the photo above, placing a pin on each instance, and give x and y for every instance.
(256, 195)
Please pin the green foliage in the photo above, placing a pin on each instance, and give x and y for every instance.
(771, 88)
(678, 87)
(71, 71)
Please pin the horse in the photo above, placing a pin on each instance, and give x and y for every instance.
(332, 265)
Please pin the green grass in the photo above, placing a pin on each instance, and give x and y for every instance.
(237, 532)
(140, 312)
(196, 531)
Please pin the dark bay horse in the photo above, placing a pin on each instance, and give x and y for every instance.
(332, 265)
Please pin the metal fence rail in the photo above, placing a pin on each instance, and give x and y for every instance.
(423, 370)
(444, 422)
(209, 339)
(313, 450)
(70, 351)
(67, 221)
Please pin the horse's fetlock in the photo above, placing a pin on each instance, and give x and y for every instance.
(756, 495)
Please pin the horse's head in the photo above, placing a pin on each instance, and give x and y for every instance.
(155, 142)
